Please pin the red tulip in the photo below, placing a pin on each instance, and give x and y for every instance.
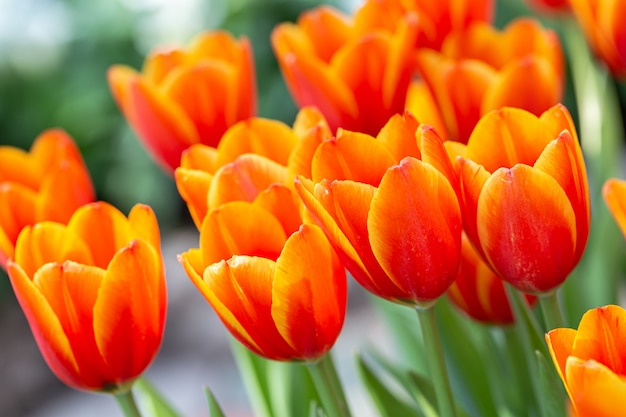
(525, 196)
(276, 284)
(94, 294)
(602, 24)
(483, 69)
(187, 96)
(393, 217)
(48, 183)
(356, 80)
(591, 362)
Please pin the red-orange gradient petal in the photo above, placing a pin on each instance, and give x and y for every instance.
(560, 343)
(614, 192)
(240, 228)
(46, 327)
(49, 242)
(129, 314)
(71, 290)
(527, 228)
(103, 228)
(351, 156)
(240, 292)
(601, 338)
(414, 228)
(309, 293)
(193, 186)
(284, 204)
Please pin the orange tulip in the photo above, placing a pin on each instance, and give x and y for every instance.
(614, 192)
(437, 19)
(276, 284)
(388, 209)
(526, 197)
(591, 361)
(263, 137)
(602, 24)
(481, 70)
(357, 80)
(94, 294)
(48, 183)
(478, 291)
(187, 96)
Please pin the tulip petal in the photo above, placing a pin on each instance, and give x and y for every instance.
(560, 343)
(309, 293)
(49, 242)
(591, 385)
(398, 137)
(614, 192)
(200, 157)
(516, 85)
(434, 153)
(71, 290)
(144, 225)
(351, 156)
(17, 209)
(129, 313)
(506, 137)
(264, 137)
(160, 63)
(414, 228)
(240, 292)
(421, 103)
(310, 81)
(244, 179)
(193, 186)
(527, 228)
(161, 124)
(473, 179)
(240, 228)
(17, 166)
(46, 327)
(327, 29)
(284, 204)
(601, 338)
(563, 161)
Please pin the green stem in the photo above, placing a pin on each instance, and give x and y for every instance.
(328, 386)
(436, 363)
(126, 401)
(551, 311)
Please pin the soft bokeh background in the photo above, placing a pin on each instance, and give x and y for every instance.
(53, 58)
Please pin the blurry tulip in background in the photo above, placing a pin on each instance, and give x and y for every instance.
(47, 183)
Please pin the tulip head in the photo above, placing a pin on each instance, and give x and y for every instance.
(395, 221)
(525, 196)
(357, 80)
(602, 23)
(482, 69)
(187, 96)
(48, 183)
(591, 362)
(94, 294)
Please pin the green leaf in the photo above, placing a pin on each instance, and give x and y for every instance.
(214, 408)
(152, 401)
(553, 400)
(292, 388)
(315, 410)
(424, 393)
(253, 371)
(387, 403)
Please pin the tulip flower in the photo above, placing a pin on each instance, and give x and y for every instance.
(262, 137)
(437, 19)
(602, 23)
(525, 196)
(94, 294)
(356, 80)
(48, 183)
(478, 291)
(187, 96)
(591, 362)
(614, 192)
(276, 284)
(389, 206)
(483, 69)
